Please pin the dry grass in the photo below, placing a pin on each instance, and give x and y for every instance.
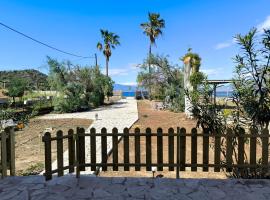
(29, 147)
(163, 119)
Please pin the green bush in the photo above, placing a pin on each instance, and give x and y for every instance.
(79, 87)
(72, 100)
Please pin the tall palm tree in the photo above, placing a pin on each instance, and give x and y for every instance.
(110, 41)
(153, 29)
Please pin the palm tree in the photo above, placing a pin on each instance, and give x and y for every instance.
(110, 40)
(153, 29)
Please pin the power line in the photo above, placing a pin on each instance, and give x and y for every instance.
(42, 43)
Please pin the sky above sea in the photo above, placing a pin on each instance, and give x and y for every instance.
(206, 26)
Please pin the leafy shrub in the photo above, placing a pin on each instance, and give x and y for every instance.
(79, 87)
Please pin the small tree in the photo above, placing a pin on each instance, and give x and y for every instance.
(251, 95)
(166, 82)
(251, 85)
(16, 88)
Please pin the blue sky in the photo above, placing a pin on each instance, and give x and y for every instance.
(206, 26)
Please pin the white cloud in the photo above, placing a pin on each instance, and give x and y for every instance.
(131, 67)
(264, 25)
(129, 83)
(260, 27)
(118, 72)
(211, 72)
(223, 45)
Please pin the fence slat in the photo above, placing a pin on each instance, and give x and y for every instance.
(159, 149)
(93, 148)
(104, 148)
(217, 150)
(48, 156)
(229, 150)
(115, 149)
(137, 149)
(71, 150)
(60, 160)
(182, 149)
(177, 153)
(171, 148)
(253, 148)
(148, 149)
(126, 149)
(194, 148)
(81, 148)
(4, 153)
(241, 150)
(12, 151)
(206, 150)
(265, 144)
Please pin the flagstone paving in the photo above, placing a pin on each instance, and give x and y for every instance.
(86, 187)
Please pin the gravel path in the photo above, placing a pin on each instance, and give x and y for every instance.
(68, 187)
(122, 114)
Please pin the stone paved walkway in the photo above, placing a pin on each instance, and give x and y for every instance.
(122, 114)
(68, 187)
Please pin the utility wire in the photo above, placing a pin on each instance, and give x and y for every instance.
(42, 43)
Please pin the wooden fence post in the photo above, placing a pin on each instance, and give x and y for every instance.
(48, 156)
(11, 150)
(104, 148)
(137, 149)
(253, 147)
(265, 146)
(171, 148)
(60, 160)
(159, 149)
(80, 151)
(194, 149)
(229, 150)
(71, 150)
(115, 149)
(126, 149)
(241, 150)
(93, 148)
(182, 149)
(217, 151)
(206, 149)
(177, 153)
(148, 149)
(4, 153)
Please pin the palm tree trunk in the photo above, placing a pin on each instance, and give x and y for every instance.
(107, 66)
(149, 69)
(149, 57)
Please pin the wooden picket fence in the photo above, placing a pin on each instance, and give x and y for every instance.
(7, 142)
(176, 158)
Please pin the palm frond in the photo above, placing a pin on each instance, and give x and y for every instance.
(99, 46)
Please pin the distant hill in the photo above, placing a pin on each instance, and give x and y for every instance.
(35, 78)
(124, 88)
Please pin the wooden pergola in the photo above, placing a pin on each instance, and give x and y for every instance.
(215, 83)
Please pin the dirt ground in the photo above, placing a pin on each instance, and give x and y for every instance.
(149, 117)
(30, 148)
